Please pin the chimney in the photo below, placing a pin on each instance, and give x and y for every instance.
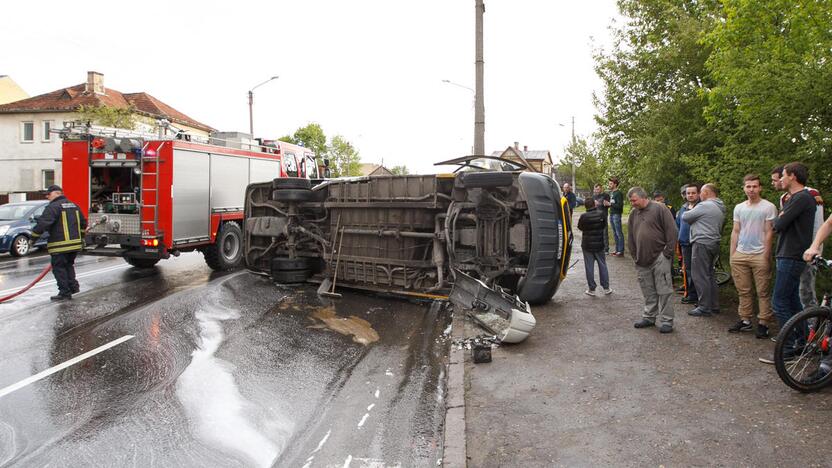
(95, 83)
(517, 145)
(525, 148)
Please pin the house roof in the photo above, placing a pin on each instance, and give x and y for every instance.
(367, 169)
(535, 155)
(70, 99)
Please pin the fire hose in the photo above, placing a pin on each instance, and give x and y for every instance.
(40, 277)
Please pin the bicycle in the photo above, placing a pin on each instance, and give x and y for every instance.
(803, 354)
(722, 275)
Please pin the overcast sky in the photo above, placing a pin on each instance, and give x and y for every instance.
(370, 70)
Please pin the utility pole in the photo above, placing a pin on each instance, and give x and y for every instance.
(479, 103)
(573, 153)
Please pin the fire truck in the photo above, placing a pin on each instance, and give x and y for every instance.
(149, 198)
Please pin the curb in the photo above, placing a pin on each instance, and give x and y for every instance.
(454, 451)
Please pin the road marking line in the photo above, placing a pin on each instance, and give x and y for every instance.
(80, 275)
(364, 419)
(52, 370)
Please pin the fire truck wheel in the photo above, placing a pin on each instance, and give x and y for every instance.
(142, 262)
(292, 195)
(291, 183)
(291, 264)
(486, 179)
(227, 251)
(288, 277)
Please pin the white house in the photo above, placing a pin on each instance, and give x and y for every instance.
(30, 154)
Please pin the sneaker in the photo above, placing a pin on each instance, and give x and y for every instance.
(61, 297)
(666, 328)
(76, 290)
(589, 292)
(697, 312)
(762, 331)
(741, 326)
(689, 300)
(644, 323)
(607, 291)
(788, 356)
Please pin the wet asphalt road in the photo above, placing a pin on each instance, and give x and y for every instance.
(221, 370)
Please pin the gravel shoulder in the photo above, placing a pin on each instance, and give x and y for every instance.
(587, 389)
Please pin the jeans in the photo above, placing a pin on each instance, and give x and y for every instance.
(687, 261)
(589, 265)
(617, 232)
(786, 298)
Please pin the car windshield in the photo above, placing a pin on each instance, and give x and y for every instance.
(487, 163)
(14, 211)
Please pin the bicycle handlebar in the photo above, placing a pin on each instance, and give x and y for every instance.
(822, 262)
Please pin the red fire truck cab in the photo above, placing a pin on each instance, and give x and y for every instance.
(148, 199)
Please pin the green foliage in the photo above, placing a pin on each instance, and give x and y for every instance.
(287, 139)
(651, 123)
(708, 91)
(400, 170)
(344, 160)
(589, 168)
(312, 137)
(772, 103)
(124, 117)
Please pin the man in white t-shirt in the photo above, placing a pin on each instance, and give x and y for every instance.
(751, 241)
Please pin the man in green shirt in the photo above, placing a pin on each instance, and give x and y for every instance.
(616, 205)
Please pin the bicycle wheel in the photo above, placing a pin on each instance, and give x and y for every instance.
(722, 277)
(803, 354)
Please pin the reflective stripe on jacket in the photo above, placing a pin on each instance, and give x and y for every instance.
(65, 224)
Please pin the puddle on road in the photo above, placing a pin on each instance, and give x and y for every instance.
(360, 330)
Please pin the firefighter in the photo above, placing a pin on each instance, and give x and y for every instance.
(63, 220)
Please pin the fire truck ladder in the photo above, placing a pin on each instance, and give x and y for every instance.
(150, 172)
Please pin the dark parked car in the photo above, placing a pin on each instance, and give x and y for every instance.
(16, 223)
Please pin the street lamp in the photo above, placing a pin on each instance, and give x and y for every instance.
(573, 145)
(473, 102)
(251, 103)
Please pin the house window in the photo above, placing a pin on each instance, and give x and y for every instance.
(48, 177)
(47, 126)
(27, 132)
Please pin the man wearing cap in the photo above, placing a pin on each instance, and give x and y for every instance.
(65, 224)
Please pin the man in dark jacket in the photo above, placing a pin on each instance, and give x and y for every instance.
(602, 204)
(65, 224)
(592, 224)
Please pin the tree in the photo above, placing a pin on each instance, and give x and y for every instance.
(344, 160)
(651, 125)
(400, 170)
(311, 136)
(118, 117)
(588, 167)
(771, 104)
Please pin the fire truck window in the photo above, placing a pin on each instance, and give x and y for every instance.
(290, 164)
